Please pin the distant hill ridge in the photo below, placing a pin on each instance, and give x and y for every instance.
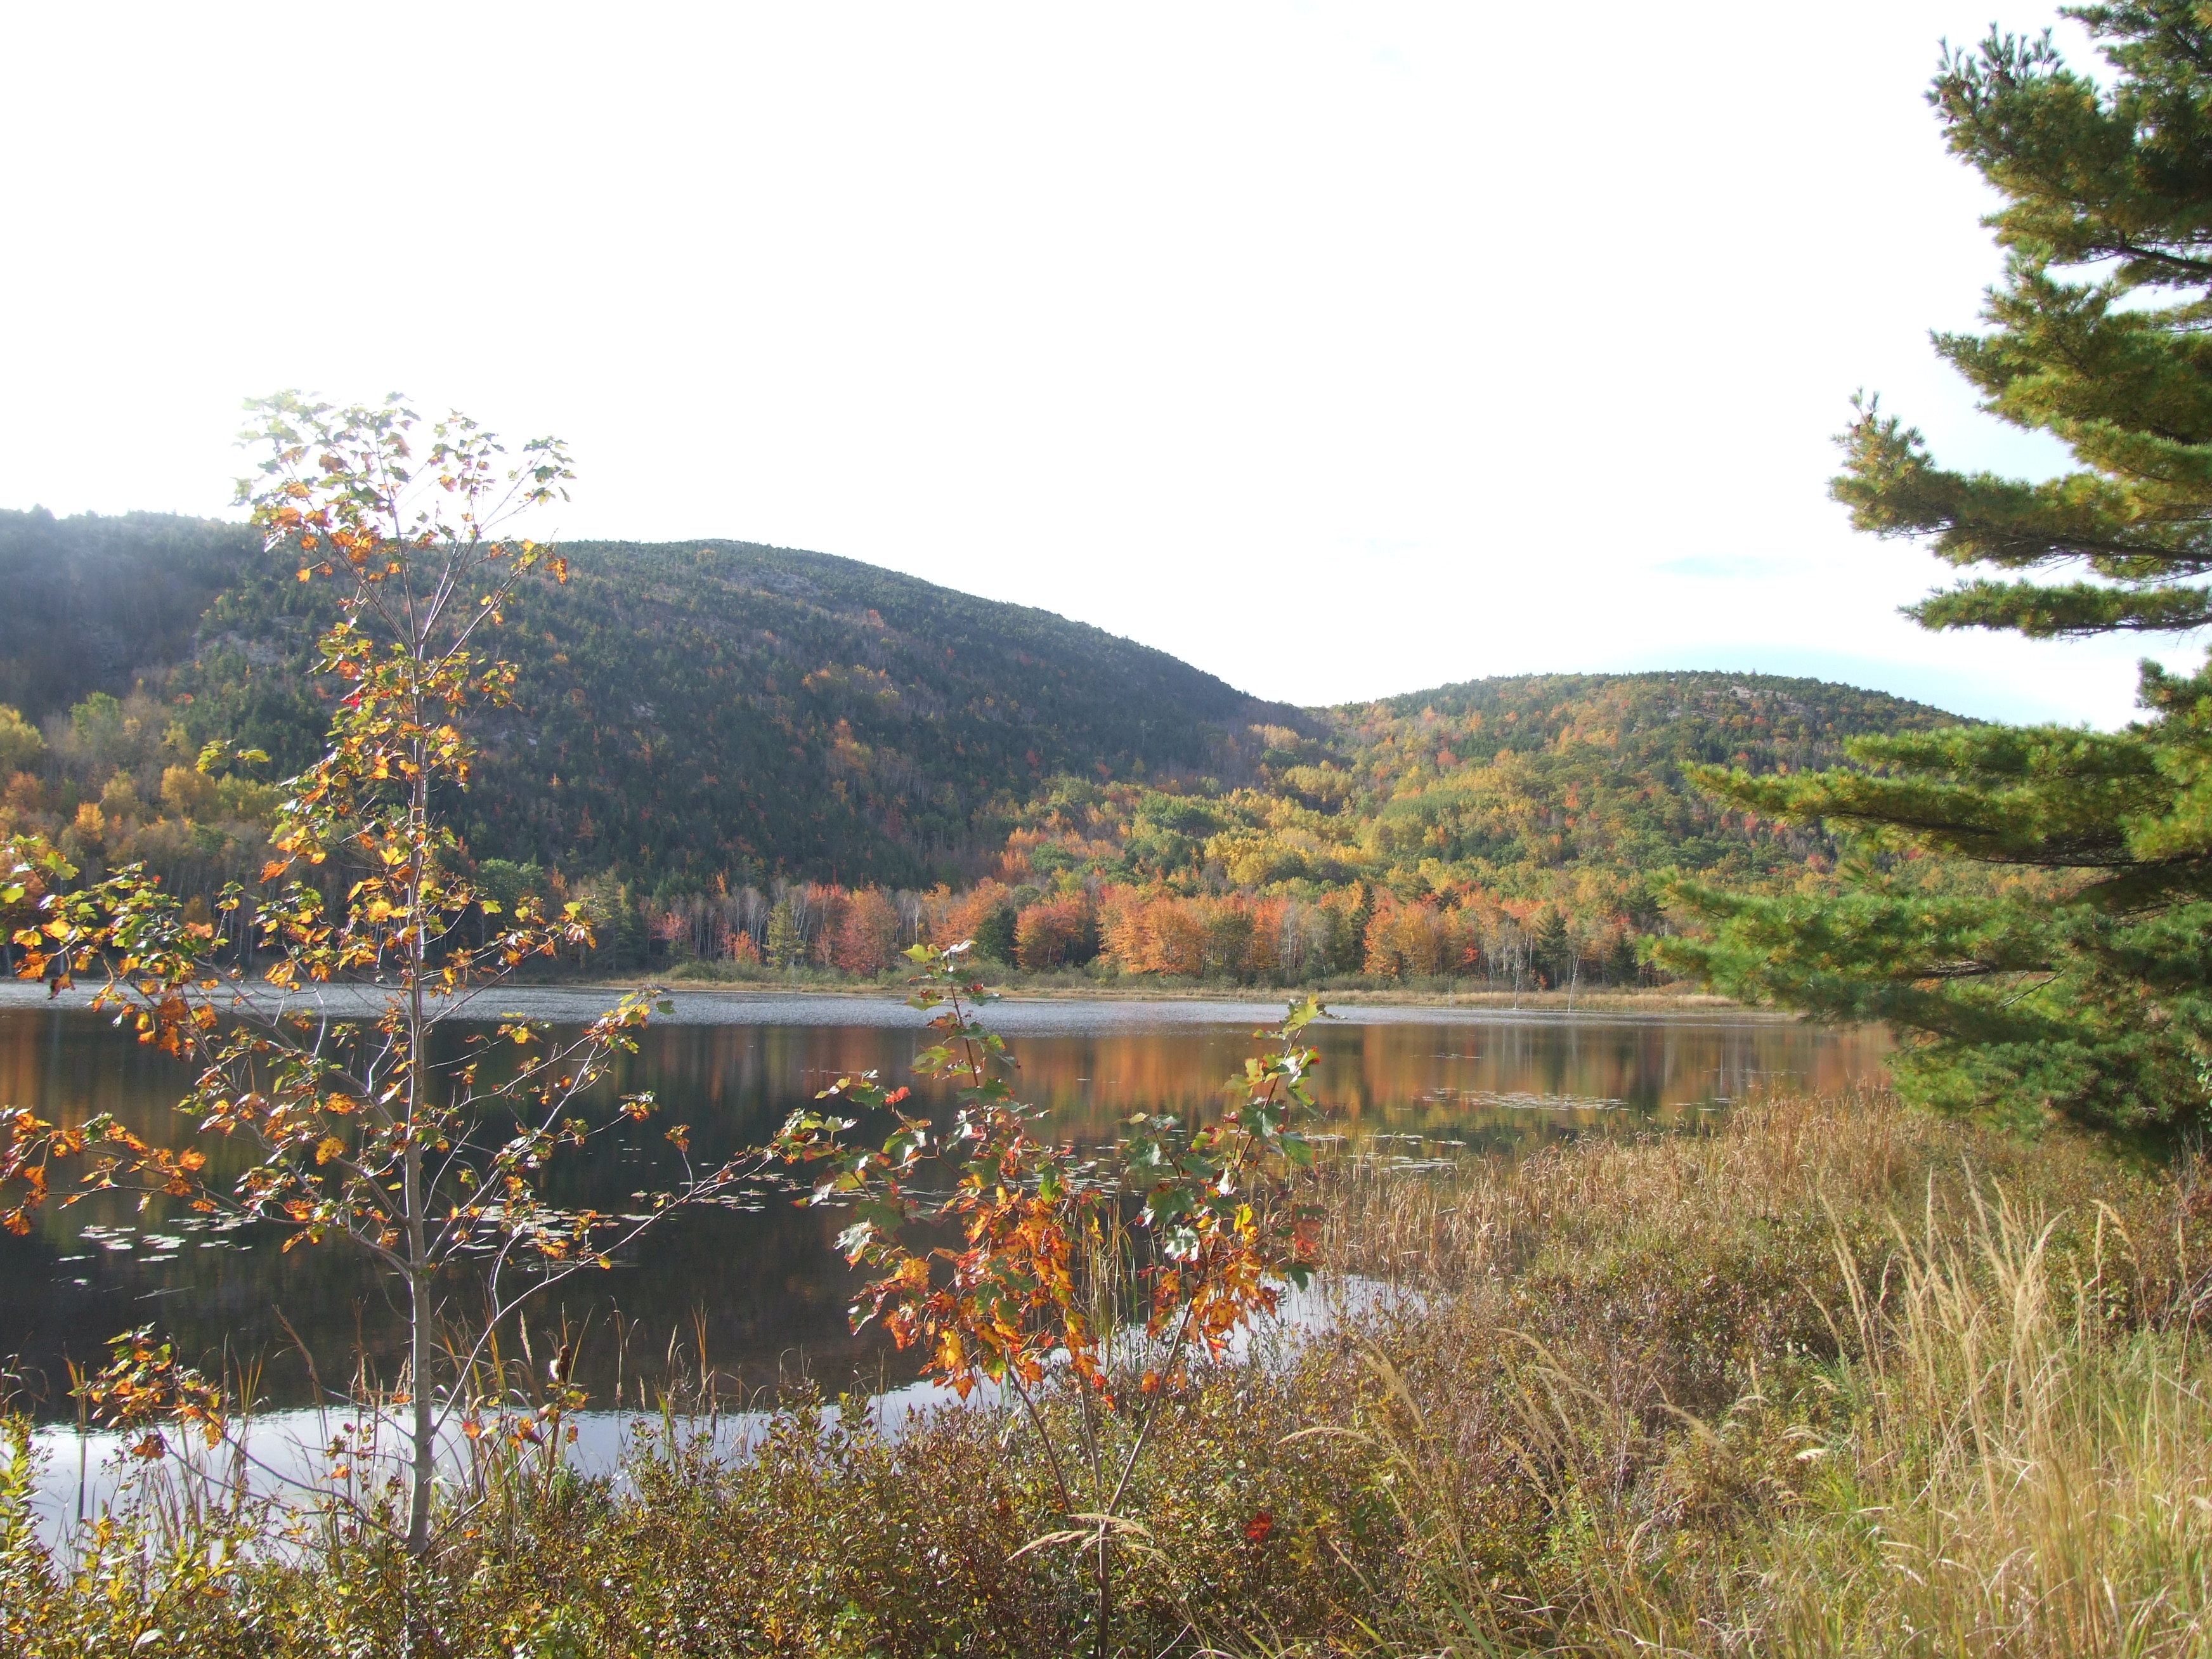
(702, 709)
(1782, 718)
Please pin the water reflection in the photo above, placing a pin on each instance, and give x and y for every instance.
(765, 1287)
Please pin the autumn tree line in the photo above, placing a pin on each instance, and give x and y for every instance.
(1357, 930)
(116, 781)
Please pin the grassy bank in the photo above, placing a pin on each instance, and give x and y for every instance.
(1834, 1379)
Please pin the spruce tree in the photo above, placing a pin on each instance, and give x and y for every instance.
(1554, 947)
(784, 941)
(2055, 957)
(995, 934)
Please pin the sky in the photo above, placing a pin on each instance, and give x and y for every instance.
(1343, 350)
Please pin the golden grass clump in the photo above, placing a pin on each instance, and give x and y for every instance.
(1834, 1379)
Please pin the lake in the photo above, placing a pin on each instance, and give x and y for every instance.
(764, 1288)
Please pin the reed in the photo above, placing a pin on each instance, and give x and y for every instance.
(1832, 1379)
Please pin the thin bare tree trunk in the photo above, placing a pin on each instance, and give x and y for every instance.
(418, 1254)
(425, 1463)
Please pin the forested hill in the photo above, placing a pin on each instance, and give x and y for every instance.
(705, 715)
(1567, 769)
(684, 710)
(87, 604)
(1560, 789)
(1758, 721)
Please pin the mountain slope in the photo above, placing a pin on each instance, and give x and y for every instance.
(1564, 789)
(684, 710)
(91, 601)
(1555, 768)
(693, 715)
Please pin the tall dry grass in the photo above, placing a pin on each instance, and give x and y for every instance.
(1833, 1379)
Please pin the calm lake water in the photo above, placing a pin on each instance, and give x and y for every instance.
(766, 1288)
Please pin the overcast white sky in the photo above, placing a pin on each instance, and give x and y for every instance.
(1343, 350)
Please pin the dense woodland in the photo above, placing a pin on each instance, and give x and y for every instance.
(763, 758)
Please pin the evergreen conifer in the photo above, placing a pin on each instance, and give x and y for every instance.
(784, 943)
(2056, 957)
(995, 934)
(1555, 952)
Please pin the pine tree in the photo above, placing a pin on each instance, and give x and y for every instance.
(784, 943)
(1554, 948)
(2056, 957)
(995, 934)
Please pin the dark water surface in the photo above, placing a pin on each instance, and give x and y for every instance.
(765, 1287)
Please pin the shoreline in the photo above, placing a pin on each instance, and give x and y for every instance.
(1527, 1002)
(728, 1002)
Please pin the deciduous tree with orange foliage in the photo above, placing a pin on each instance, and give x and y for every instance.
(358, 1130)
(867, 936)
(1406, 941)
(1055, 933)
(1049, 1290)
(984, 914)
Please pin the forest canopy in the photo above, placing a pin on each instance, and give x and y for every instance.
(706, 736)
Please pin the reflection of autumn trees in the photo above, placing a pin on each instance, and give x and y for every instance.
(734, 1083)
